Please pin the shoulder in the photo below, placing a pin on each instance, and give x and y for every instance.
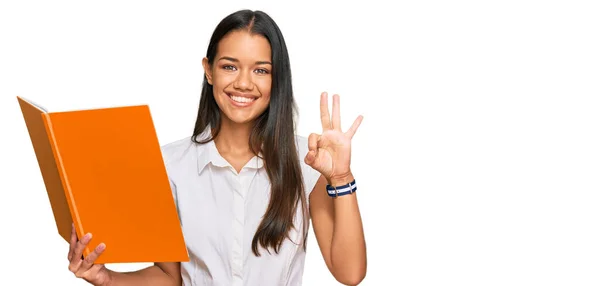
(177, 150)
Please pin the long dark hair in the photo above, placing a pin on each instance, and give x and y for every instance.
(272, 133)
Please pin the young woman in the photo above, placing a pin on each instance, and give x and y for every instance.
(244, 184)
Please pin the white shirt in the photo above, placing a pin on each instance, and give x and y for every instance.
(219, 211)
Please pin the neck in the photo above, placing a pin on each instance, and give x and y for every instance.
(233, 138)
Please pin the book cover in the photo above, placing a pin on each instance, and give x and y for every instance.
(103, 171)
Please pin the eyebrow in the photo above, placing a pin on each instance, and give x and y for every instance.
(237, 61)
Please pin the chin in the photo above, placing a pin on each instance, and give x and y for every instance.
(241, 113)
(238, 117)
(238, 120)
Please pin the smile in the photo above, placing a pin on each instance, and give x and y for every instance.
(241, 101)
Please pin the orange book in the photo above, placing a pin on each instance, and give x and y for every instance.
(103, 171)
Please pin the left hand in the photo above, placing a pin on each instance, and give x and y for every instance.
(329, 153)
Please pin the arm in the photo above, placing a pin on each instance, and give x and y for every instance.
(338, 228)
(160, 274)
(336, 221)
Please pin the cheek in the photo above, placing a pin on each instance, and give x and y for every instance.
(264, 86)
(222, 80)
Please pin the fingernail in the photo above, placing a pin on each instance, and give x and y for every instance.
(88, 236)
(101, 247)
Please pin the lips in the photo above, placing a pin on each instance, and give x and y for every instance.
(241, 100)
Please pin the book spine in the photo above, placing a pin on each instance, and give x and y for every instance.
(64, 179)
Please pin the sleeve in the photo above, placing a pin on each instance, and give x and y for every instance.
(174, 192)
(171, 182)
(309, 175)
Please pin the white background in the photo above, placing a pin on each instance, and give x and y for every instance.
(478, 160)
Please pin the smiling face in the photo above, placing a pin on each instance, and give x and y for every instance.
(241, 76)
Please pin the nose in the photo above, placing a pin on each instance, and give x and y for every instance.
(243, 81)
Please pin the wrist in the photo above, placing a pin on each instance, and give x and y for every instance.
(340, 179)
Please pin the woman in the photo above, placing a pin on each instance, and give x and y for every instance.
(245, 185)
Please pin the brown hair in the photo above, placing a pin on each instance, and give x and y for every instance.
(273, 132)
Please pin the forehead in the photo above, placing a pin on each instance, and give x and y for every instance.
(244, 46)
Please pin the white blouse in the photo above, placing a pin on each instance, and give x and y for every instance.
(220, 210)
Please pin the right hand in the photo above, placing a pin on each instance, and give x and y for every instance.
(95, 274)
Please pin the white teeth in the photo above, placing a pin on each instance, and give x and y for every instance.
(241, 99)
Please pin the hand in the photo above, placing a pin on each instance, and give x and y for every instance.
(95, 274)
(329, 153)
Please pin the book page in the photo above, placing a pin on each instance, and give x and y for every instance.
(34, 104)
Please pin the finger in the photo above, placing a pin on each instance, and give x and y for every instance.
(310, 158)
(313, 139)
(335, 113)
(72, 242)
(96, 268)
(76, 260)
(81, 245)
(325, 121)
(88, 262)
(354, 126)
(74, 266)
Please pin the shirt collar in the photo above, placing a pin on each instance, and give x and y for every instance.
(208, 153)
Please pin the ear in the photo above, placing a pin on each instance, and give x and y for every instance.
(207, 70)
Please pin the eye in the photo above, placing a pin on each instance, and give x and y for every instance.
(262, 71)
(229, 67)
